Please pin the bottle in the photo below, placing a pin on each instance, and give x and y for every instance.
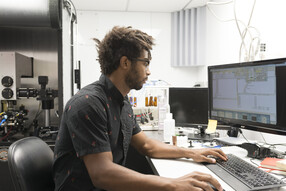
(163, 108)
(150, 100)
(146, 100)
(169, 127)
(135, 102)
(155, 101)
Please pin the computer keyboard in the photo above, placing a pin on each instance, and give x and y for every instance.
(243, 176)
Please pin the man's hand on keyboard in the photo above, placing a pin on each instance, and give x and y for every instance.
(201, 155)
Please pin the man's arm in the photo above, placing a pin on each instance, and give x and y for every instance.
(109, 176)
(157, 149)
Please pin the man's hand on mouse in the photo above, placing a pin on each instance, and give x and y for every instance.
(201, 155)
(197, 181)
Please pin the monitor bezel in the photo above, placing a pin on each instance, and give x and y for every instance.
(256, 126)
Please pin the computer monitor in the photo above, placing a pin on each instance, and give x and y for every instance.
(189, 106)
(249, 95)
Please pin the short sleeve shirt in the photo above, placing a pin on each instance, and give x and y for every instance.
(97, 119)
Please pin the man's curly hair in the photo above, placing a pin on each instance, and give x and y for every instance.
(121, 41)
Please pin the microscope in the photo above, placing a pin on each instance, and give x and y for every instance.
(46, 97)
(15, 66)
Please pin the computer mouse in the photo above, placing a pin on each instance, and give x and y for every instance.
(214, 188)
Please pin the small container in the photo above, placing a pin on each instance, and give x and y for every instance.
(151, 101)
(169, 128)
(146, 101)
(155, 101)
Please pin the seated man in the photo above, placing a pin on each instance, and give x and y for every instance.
(98, 125)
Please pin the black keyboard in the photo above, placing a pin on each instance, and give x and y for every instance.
(243, 176)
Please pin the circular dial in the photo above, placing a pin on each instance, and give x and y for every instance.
(7, 93)
(7, 81)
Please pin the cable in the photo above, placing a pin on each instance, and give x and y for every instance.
(2, 138)
(250, 52)
(243, 34)
(37, 115)
(243, 136)
(237, 25)
(74, 44)
(252, 161)
(254, 52)
(222, 20)
(236, 20)
(219, 3)
(275, 144)
(3, 120)
(263, 137)
(76, 35)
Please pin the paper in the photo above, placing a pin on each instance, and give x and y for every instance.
(281, 164)
(211, 126)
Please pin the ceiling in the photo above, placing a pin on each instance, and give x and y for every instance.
(136, 5)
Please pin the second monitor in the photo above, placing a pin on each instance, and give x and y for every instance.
(190, 109)
(189, 106)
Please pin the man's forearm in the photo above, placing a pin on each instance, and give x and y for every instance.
(157, 149)
(116, 177)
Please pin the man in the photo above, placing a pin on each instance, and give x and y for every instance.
(98, 125)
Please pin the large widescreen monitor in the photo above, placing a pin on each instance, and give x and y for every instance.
(249, 95)
(189, 106)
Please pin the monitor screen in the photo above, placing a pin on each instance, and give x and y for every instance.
(189, 106)
(250, 95)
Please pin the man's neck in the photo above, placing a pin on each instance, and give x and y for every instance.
(119, 82)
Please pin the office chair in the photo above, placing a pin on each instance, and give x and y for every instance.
(30, 163)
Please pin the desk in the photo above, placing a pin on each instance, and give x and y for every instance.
(174, 168)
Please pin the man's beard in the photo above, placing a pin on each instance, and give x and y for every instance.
(132, 80)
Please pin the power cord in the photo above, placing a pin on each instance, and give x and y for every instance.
(272, 146)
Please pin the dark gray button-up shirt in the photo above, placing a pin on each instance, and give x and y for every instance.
(97, 119)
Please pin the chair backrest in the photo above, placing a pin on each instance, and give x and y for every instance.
(30, 162)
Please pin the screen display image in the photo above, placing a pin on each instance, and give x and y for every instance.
(251, 94)
(189, 106)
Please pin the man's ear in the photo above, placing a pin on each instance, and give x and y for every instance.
(124, 62)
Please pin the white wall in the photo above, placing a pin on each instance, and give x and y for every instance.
(96, 24)
(223, 40)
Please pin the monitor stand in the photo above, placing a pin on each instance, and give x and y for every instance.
(202, 135)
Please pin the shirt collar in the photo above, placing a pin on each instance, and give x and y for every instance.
(110, 89)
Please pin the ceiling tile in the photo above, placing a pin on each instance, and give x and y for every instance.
(100, 5)
(131, 5)
(156, 5)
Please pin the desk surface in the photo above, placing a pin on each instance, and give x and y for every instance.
(174, 168)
